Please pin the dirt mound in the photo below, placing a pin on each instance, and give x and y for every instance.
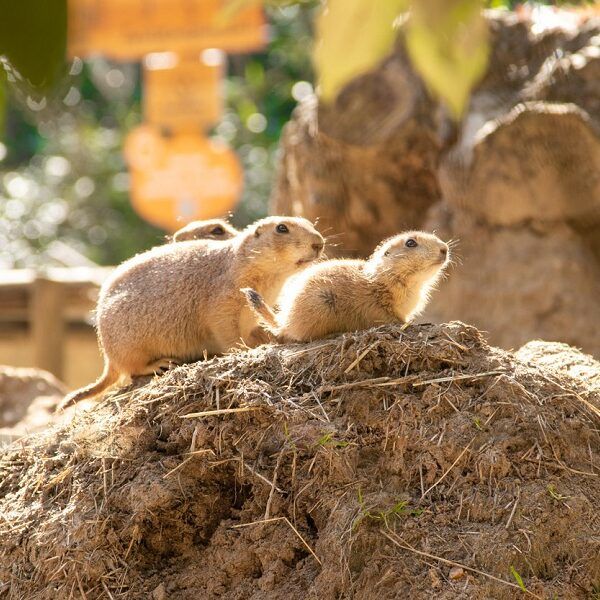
(385, 463)
(563, 359)
(28, 399)
(19, 388)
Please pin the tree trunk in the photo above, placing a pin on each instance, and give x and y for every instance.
(518, 183)
(365, 166)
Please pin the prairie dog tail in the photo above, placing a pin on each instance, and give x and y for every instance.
(109, 377)
(261, 309)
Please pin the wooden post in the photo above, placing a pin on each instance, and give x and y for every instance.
(47, 324)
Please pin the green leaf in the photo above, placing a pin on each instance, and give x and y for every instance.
(518, 578)
(329, 440)
(324, 439)
(554, 493)
(33, 37)
(448, 44)
(3, 101)
(351, 37)
(399, 508)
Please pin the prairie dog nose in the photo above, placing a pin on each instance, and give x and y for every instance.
(444, 251)
(318, 246)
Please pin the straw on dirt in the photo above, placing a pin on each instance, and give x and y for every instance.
(273, 473)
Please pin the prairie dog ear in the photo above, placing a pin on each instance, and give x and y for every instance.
(258, 230)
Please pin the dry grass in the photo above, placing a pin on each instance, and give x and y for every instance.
(175, 486)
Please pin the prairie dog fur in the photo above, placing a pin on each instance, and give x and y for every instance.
(347, 295)
(178, 301)
(211, 229)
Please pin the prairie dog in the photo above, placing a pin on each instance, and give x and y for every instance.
(211, 229)
(347, 295)
(178, 301)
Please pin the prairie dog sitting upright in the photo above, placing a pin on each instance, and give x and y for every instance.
(178, 301)
(347, 295)
(211, 229)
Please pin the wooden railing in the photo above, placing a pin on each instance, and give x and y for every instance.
(48, 301)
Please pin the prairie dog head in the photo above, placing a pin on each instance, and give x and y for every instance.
(414, 255)
(212, 229)
(286, 242)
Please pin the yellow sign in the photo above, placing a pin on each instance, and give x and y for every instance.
(130, 29)
(183, 94)
(182, 178)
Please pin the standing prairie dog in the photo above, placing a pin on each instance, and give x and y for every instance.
(179, 301)
(347, 295)
(211, 229)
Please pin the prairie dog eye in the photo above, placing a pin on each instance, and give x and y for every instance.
(218, 230)
(411, 243)
(281, 228)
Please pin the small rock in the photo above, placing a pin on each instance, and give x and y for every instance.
(456, 573)
(159, 592)
(436, 582)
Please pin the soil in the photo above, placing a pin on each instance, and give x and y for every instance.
(387, 463)
(28, 399)
(19, 388)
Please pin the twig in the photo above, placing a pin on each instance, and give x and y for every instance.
(359, 358)
(179, 466)
(193, 442)
(106, 590)
(261, 477)
(458, 377)
(130, 545)
(272, 492)
(187, 460)
(316, 397)
(201, 451)
(455, 343)
(514, 508)
(351, 384)
(104, 484)
(272, 520)
(404, 546)
(447, 470)
(398, 381)
(311, 348)
(79, 585)
(221, 411)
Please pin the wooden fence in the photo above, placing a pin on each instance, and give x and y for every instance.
(48, 304)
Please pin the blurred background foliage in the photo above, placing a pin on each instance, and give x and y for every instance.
(63, 180)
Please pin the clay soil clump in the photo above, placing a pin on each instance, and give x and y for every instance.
(388, 463)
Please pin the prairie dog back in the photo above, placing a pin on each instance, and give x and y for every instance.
(315, 301)
(212, 229)
(347, 295)
(161, 298)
